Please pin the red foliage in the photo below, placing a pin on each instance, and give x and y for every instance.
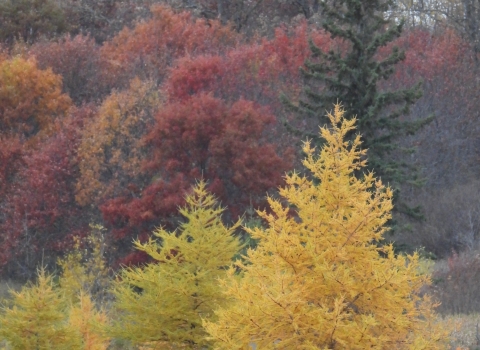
(428, 55)
(445, 63)
(32, 108)
(211, 128)
(11, 152)
(135, 216)
(151, 47)
(41, 213)
(79, 63)
(217, 121)
(201, 137)
(204, 136)
(257, 72)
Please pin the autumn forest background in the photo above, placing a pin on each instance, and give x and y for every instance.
(111, 110)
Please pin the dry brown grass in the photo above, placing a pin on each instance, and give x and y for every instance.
(467, 331)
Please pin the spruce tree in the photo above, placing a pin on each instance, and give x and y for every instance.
(351, 74)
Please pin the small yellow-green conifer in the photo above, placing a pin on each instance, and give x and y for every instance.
(37, 318)
(161, 305)
(83, 270)
(88, 323)
(60, 316)
(84, 281)
(317, 279)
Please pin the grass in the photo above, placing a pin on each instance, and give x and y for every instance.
(467, 331)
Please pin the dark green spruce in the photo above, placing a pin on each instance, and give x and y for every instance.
(351, 75)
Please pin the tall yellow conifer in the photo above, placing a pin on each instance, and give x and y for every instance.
(317, 280)
(161, 305)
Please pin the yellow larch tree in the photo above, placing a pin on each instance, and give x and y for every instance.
(84, 270)
(64, 315)
(84, 282)
(88, 322)
(318, 278)
(161, 305)
(36, 317)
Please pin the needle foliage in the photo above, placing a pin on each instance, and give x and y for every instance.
(317, 279)
(161, 305)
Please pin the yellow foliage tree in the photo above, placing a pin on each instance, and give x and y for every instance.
(84, 282)
(317, 279)
(111, 149)
(53, 316)
(38, 318)
(84, 271)
(87, 321)
(161, 305)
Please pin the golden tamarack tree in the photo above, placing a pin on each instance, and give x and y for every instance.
(84, 269)
(40, 317)
(84, 282)
(48, 315)
(318, 279)
(162, 304)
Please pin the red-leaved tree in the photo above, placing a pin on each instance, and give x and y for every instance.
(218, 122)
(200, 137)
(78, 61)
(40, 214)
(149, 49)
(258, 71)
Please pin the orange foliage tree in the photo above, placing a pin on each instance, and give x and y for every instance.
(30, 98)
(111, 148)
(31, 103)
(151, 47)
